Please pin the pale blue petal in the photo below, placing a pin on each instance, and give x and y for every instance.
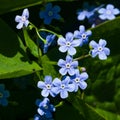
(61, 63)
(81, 15)
(82, 85)
(57, 82)
(66, 80)
(25, 13)
(71, 71)
(63, 71)
(18, 18)
(45, 93)
(102, 17)
(74, 64)
(69, 59)
(48, 79)
(63, 48)
(77, 34)
(93, 44)
(89, 32)
(63, 94)
(75, 43)
(83, 76)
(41, 112)
(102, 56)
(82, 28)
(102, 10)
(110, 7)
(116, 11)
(72, 51)
(26, 23)
(41, 84)
(107, 51)
(94, 53)
(102, 42)
(71, 87)
(55, 90)
(111, 17)
(61, 41)
(69, 36)
(20, 25)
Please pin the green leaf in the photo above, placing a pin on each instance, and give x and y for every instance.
(13, 59)
(8, 6)
(108, 115)
(31, 45)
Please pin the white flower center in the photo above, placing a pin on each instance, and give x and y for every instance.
(1, 95)
(63, 86)
(68, 44)
(108, 12)
(48, 86)
(77, 80)
(50, 13)
(100, 49)
(68, 65)
(23, 18)
(84, 36)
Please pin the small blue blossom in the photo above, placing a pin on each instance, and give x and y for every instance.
(99, 49)
(63, 87)
(50, 13)
(22, 20)
(108, 13)
(67, 66)
(68, 43)
(46, 86)
(82, 35)
(79, 80)
(45, 108)
(4, 94)
(86, 12)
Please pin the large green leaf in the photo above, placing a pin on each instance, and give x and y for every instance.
(13, 59)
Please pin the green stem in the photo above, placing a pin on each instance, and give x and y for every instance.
(46, 30)
(37, 31)
(82, 57)
(59, 104)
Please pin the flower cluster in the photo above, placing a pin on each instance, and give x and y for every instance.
(72, 78)
(96, 15)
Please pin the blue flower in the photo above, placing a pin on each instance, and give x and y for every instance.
(22, 20)
(45, 108)
(4, 94)
(82, 35)
(86, 12)
(68, 43)
(99, 49)
(67, 66)
(108, 13)
(46, 86)
(79, 80)
(63, 87)
(50, 13)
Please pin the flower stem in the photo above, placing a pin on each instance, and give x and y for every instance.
(46, 30)
(82, 57)
(59, 104)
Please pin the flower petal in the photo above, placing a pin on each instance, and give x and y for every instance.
(102, 56)
(82, 85)
(63, 94)
(25, 13)
(18, 18)
(41, 84)
(93, 44)
(102, 10)
(20, 25)
(63, 71)
(63, 48)
(48, 79)
(45, 93)
(72, 51)
(102, 42)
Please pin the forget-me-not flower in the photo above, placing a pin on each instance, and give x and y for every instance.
(23, 19)
(99, 49)
(82, 35)
(46, 86)
(108, 13)
(67, 66)
(79, 80)
(68, 43)
(86, 12)
(4, 94)
(63, 87)
(50, 13)
(45, 109)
